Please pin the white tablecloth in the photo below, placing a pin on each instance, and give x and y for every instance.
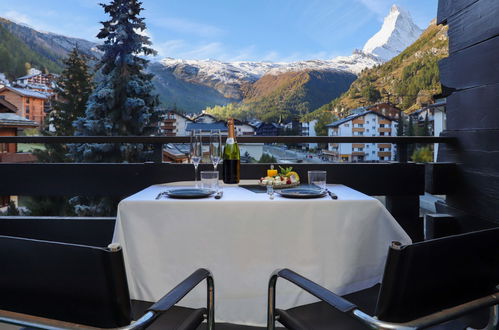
(243, 237)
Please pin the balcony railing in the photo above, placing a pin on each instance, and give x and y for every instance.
(401, 182)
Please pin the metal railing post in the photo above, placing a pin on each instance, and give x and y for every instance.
(157, 155)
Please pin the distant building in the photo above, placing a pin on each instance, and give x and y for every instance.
(308, 129)
(38, 80)
(205, 118)
(10, 125)
(29, 104)
(436, 117)
(244, 129)
(206, 128)
(386, 109)
(267, 129)
(175, 124)
(366, 123)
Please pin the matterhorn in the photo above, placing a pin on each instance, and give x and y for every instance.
(398, 32)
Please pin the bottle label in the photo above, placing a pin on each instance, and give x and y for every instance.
(229, 141)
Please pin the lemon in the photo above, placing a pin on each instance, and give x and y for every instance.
(293, 175)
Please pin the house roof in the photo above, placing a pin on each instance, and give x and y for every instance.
(206, 127)
(267, 124)
(25, 92)
(352, 117)
(11, 119)
(179, 114)
(28, 76)
(6, 104)
(196, 118)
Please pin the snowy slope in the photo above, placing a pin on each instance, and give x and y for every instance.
(396, 34)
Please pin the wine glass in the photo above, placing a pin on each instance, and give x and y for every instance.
(196, 152)
(215, 147)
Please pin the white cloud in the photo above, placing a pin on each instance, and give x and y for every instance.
(186, 26)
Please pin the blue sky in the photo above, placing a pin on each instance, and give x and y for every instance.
(232, 30)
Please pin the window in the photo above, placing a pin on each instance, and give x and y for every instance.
(367, 122)
(373, 152)
(27, 116)
(360, 125)
(347, 125)
(360, 133)
(360, 149)
(368, 129)
(374, 127)
(381, 125)
(27, 100)
(27, 109)
(382, 133)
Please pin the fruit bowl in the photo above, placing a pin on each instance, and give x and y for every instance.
(280, 185)
(286, 179)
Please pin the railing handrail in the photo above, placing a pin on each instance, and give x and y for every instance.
(241, 139)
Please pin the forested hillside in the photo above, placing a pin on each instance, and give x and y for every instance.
(16, 57)
(408, 80)
(286, 95)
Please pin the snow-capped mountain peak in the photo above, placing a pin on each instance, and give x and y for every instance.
(397, 33)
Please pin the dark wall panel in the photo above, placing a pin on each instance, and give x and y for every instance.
(473, 24)
(125, 179)
(476, 108)
(447, 8)
(472, 71)
(472, 67)
(477, 193)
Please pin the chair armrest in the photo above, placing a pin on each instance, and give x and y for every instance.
(182, 289)
(315, 289)
(352, 310)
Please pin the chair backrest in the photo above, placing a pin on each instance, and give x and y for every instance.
(426, 277)
(68, 282)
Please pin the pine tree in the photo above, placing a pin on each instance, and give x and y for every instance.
(73, 89)
(123, 102)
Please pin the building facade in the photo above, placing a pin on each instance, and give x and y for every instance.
(367, 123)
(175, 124)
(29, 104)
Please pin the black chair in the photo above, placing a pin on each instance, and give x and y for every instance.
(46, 284)
(447, 283)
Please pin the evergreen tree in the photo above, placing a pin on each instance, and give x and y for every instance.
(73, 89)
(123, 102)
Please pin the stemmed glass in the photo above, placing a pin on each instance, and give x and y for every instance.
(215, 147)
(196, 152)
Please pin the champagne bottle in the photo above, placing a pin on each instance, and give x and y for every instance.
(231, 156)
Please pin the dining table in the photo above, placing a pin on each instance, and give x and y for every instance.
(244, 236)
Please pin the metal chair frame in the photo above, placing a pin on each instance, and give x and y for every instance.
(156, 310)
(352, 310)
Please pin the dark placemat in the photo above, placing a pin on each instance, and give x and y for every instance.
(254, 188)
(261, 189)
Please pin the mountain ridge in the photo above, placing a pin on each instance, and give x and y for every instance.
(408, 80)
